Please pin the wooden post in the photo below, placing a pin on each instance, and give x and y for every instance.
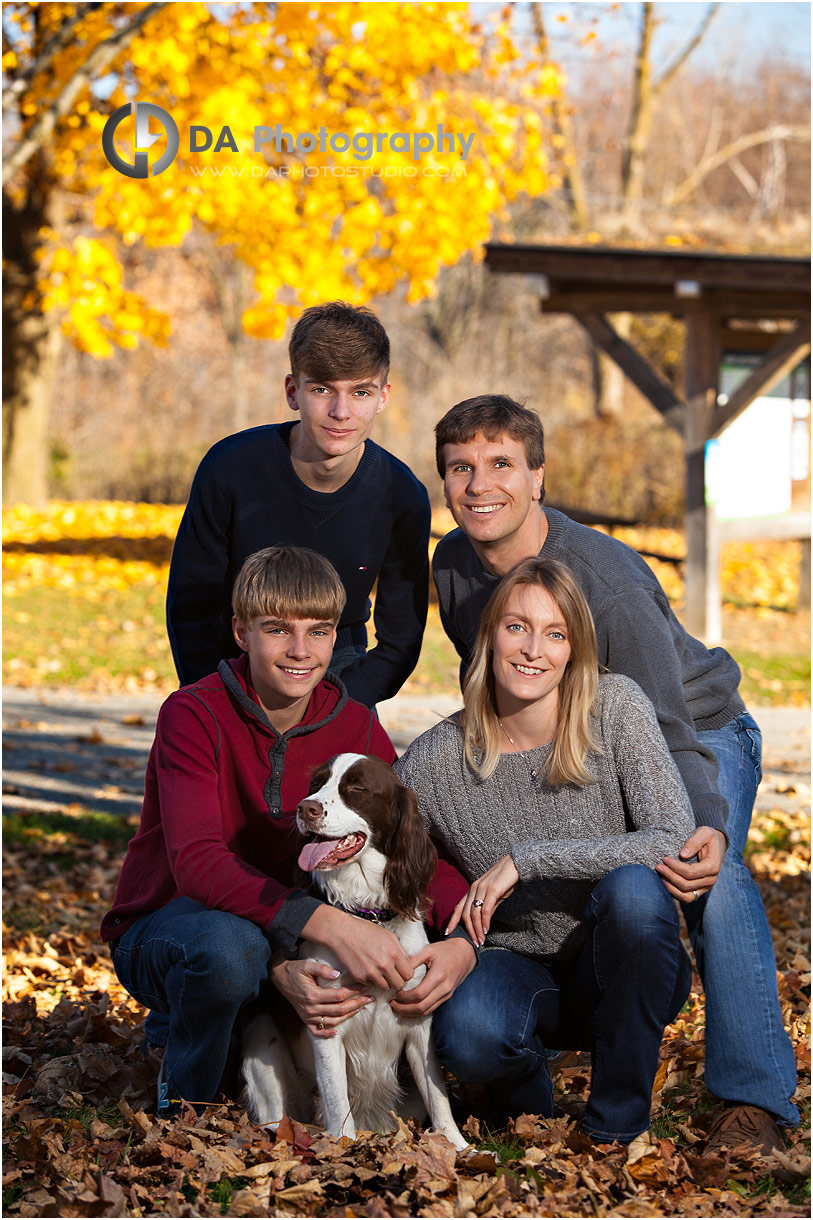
(713, 632)
(702, 370)
(804, 575)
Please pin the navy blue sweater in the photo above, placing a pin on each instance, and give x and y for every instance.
(245, 496)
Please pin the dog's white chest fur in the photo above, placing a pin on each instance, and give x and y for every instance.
(355, 1072)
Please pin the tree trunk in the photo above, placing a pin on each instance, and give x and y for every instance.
(31, 346)
(640, 125)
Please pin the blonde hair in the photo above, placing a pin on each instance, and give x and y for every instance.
(288, 582)
(577, 690)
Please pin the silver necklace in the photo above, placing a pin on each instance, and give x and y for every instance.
(534, 770)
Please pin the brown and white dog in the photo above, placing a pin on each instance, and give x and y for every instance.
(369, 853)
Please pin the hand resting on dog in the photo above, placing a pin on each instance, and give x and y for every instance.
(448, 962)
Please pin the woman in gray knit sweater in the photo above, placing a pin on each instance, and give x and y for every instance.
(555, 793)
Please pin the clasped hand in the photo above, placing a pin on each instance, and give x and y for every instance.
(371, 955)
(689, 881)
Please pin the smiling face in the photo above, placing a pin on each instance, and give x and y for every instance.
(494, 497)
(336, 416)
(530, 650)
(287, 658)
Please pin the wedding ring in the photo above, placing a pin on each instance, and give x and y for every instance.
(321, 1024)
(478, 902)
(696, 895)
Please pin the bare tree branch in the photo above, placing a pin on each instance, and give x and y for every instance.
(632, 168)
(53, 46)
(572, 176)
(671, 72)
(782, 131)
(99, 59)
(646, 95)
(746, 180)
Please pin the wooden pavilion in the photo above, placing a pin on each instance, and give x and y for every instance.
(729, 303)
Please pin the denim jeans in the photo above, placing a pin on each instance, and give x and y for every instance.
(749, 1057)
(197, 968)
(630, 979)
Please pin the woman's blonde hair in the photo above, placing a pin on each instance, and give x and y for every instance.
(577, 690)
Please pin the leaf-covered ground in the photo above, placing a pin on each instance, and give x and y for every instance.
(84, 589)
(80, 1138)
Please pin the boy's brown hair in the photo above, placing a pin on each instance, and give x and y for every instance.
(288, 582)
(493, 415)
(339, 342)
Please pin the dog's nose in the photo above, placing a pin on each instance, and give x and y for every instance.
(310, 811)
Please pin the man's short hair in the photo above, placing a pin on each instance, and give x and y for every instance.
(493, 415)
(338, 342)
(288, 582)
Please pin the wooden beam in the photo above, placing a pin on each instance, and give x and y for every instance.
(571, 296)
(783, 356)
(639, 371)
(610, 265)
(753, 337)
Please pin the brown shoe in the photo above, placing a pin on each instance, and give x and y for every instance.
(748, 1125)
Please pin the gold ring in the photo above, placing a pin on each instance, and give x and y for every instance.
(321, 1024)
(478, 902)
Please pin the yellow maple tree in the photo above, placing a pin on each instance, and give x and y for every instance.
(351, 217)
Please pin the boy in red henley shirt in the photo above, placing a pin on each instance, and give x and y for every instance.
(206, 909)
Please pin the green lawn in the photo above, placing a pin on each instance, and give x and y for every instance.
(109, 638)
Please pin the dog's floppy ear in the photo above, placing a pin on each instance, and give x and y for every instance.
(411, 857)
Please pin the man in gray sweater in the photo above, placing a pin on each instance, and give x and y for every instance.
(490, 455)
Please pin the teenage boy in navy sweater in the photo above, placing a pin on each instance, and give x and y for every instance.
(318, 482)
(206, 906)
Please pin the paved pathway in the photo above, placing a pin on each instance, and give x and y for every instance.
(64, 748)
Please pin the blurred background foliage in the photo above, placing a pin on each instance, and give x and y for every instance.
(145, 320)
(85, 584)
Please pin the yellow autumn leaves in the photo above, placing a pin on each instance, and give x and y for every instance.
(84, 281)
(88, 546)
(311, 226)
(93, 545)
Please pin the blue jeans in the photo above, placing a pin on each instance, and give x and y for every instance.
(749, 1057)
(197, 969)
(630, 979)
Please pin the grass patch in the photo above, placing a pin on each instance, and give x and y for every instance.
(503, 1145)
(110, 634)
(22, 827)
(64, 637)
(221, 1192)
(773, 679)
(87, 1114)
(665, 1124)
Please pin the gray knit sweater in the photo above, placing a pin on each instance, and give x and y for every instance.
(562, 839)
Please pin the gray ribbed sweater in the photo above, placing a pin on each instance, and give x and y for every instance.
(562, 839)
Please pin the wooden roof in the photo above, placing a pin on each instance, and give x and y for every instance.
(599, 278)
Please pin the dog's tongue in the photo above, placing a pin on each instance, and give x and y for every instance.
(312, 853)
